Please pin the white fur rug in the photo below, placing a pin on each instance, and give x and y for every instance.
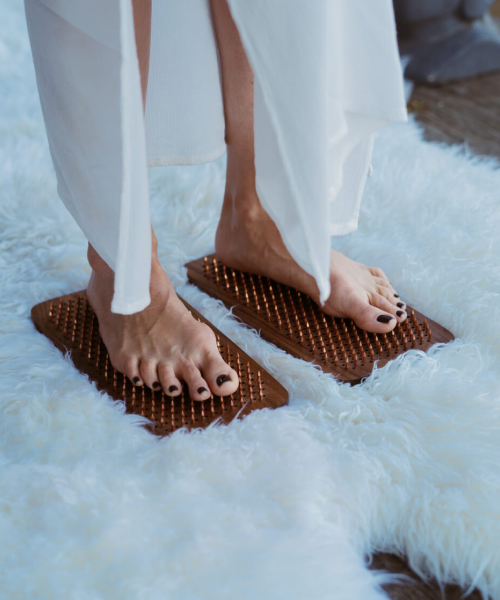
(286, 503)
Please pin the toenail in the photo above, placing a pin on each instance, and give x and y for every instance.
(156, 385)
(202, 390)
(400, 313)
(396, 295)
(384, 318)
(400, 304)
(223, 379)
(136, 379)
(173, 388)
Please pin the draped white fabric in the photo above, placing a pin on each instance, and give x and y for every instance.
(327, 76)
(88, 79)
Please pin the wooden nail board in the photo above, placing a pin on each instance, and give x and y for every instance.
(295, 323)
(71, 324)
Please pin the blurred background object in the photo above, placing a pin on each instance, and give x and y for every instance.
(466, 109)
(446, 40)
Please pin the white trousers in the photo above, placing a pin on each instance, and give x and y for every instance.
(327, 76)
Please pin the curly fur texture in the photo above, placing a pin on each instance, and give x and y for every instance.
(286, 503)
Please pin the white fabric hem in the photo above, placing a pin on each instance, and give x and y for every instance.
(320, 280)
(350, 226)
(134, 240)
(117, 306)
(307, 263)
(131, 307)
(378, 112)
(125, 84)
(178, 161)
(344, 228)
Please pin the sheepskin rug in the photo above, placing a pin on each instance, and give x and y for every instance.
(286, 504)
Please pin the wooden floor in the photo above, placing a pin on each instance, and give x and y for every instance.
(468, 111)
(415, 588)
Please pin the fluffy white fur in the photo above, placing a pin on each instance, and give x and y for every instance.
(286, 503)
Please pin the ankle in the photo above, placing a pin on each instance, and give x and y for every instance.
(242, 204)
(99, 265)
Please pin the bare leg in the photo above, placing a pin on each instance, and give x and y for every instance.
(163, 344)
(142, 25)
(248, 239)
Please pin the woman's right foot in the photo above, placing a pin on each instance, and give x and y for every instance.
(162, 345)
(247, 239)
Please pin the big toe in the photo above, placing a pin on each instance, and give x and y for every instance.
(220, 377)
(374, 319)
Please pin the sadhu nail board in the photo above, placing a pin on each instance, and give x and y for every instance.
(296, 324)
(71, 324)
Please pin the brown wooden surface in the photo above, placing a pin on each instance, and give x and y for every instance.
(466, 111)
(70, 323)
(296, 324)
(495, 9)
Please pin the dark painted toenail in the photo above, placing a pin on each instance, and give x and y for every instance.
(136, 380)
(384, 318)
(396, 295)
(173, 388)
(156, 385)
(400, 313)
(223, 379)
(400, 304)
(202, 390)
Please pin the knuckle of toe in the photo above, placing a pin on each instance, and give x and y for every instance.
(366, 311)
(120, 362)
(206, 334)
(148, 366)
(188, 368)
(213, 360)
(128, 364)
(163, 366)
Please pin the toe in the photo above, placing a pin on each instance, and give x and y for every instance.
(198, 387)
(171, 385)
(374, 319)
(389, 295)
(149, 373)
(401, 305)
(383, 283)
(220, 377)
(387, 306)
(395, 296)
(130, 366)
(379, 274)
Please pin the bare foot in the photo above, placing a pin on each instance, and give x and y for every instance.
(163, 344)
(247, 239)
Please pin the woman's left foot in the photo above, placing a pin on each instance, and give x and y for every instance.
(247, 239)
